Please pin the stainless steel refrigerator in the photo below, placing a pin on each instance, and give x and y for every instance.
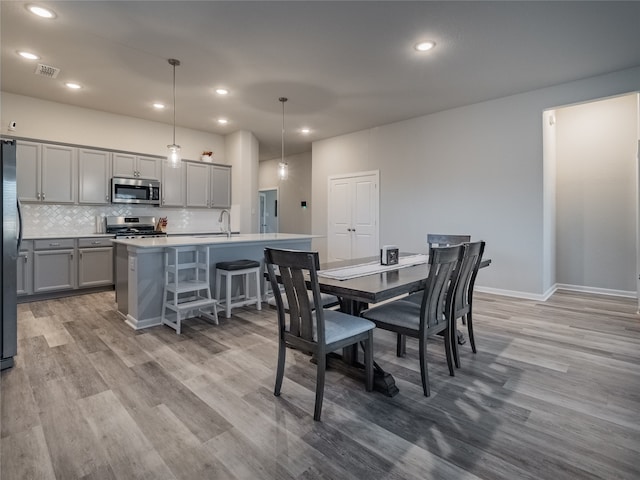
(11, 238)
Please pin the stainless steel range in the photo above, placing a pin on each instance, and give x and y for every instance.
(133, 227)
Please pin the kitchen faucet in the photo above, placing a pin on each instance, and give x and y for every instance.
(228, 229)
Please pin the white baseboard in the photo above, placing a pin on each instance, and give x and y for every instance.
(513, 293)
(558, 286)
(597, 291)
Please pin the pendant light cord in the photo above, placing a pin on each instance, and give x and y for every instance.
(174, 62)
(283, 99)
(174, 103)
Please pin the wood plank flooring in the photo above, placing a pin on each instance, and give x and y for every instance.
(553, 393)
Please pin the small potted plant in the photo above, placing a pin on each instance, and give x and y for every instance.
(207, 156)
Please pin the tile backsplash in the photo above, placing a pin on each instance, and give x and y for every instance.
(49, 219)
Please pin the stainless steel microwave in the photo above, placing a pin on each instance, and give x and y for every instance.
(135, 190)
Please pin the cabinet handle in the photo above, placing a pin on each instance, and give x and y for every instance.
(54, 244)
(96, 242)
(38, 195)
(43, 196)
(26, 259)
(106, 197)
(71, 255)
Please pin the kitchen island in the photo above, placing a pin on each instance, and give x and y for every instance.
(139, 266)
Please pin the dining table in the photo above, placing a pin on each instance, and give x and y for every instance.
(355, 294)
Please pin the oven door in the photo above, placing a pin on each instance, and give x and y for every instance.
(135, 190)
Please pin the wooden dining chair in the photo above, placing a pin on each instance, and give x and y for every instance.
(443, 240)
(307, 326)
(432, 315)
(463, 296)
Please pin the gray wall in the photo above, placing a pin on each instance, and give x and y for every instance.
(477, 169)
(596, 194)
(292, 218)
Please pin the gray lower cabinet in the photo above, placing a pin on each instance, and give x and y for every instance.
(54, 265)
(24, 280)
(95, 262)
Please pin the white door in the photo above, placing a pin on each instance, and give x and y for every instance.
(353, 216)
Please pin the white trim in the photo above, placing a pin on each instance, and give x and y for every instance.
(596, 291)
(513, 293)
(558, 286)
(140, 324)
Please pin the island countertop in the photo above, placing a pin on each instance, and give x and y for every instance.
(183, 241)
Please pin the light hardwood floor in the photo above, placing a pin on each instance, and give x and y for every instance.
(553, 393)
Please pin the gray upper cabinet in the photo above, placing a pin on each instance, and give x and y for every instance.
(46, 173)
(173, 183)
(94, 176)
(136, 166)
(59, 173)
(28, 156)
(220, 186)
(208, 186)
(197, 184)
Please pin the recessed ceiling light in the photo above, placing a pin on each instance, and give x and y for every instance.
(223, 121)
(159, 106)
(424, 46)
(29, 55)
(73, 85)
(222, 91)
(41, 11)
(305, 131)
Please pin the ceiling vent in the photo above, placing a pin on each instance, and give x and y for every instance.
(47, 71)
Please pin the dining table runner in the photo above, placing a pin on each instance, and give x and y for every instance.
(364, 269)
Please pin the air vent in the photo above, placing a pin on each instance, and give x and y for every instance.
(47, 71)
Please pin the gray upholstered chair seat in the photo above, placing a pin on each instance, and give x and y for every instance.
(338, 326)
(399, 313)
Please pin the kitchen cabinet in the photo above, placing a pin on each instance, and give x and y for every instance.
(173, 185)
(94, 176)
(220, 186)
(54, 265)
(198, 187)
(208, 186)
(24, 279)
(46, 173)
(136, 166)
(95, 262)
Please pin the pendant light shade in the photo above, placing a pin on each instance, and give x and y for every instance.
(283, 168)
(173, 156)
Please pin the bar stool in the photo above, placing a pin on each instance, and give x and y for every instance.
(232, 269)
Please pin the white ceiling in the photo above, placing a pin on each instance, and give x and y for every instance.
(345, 66)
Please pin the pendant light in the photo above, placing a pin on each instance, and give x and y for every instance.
(283, 168)
(173, 156)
